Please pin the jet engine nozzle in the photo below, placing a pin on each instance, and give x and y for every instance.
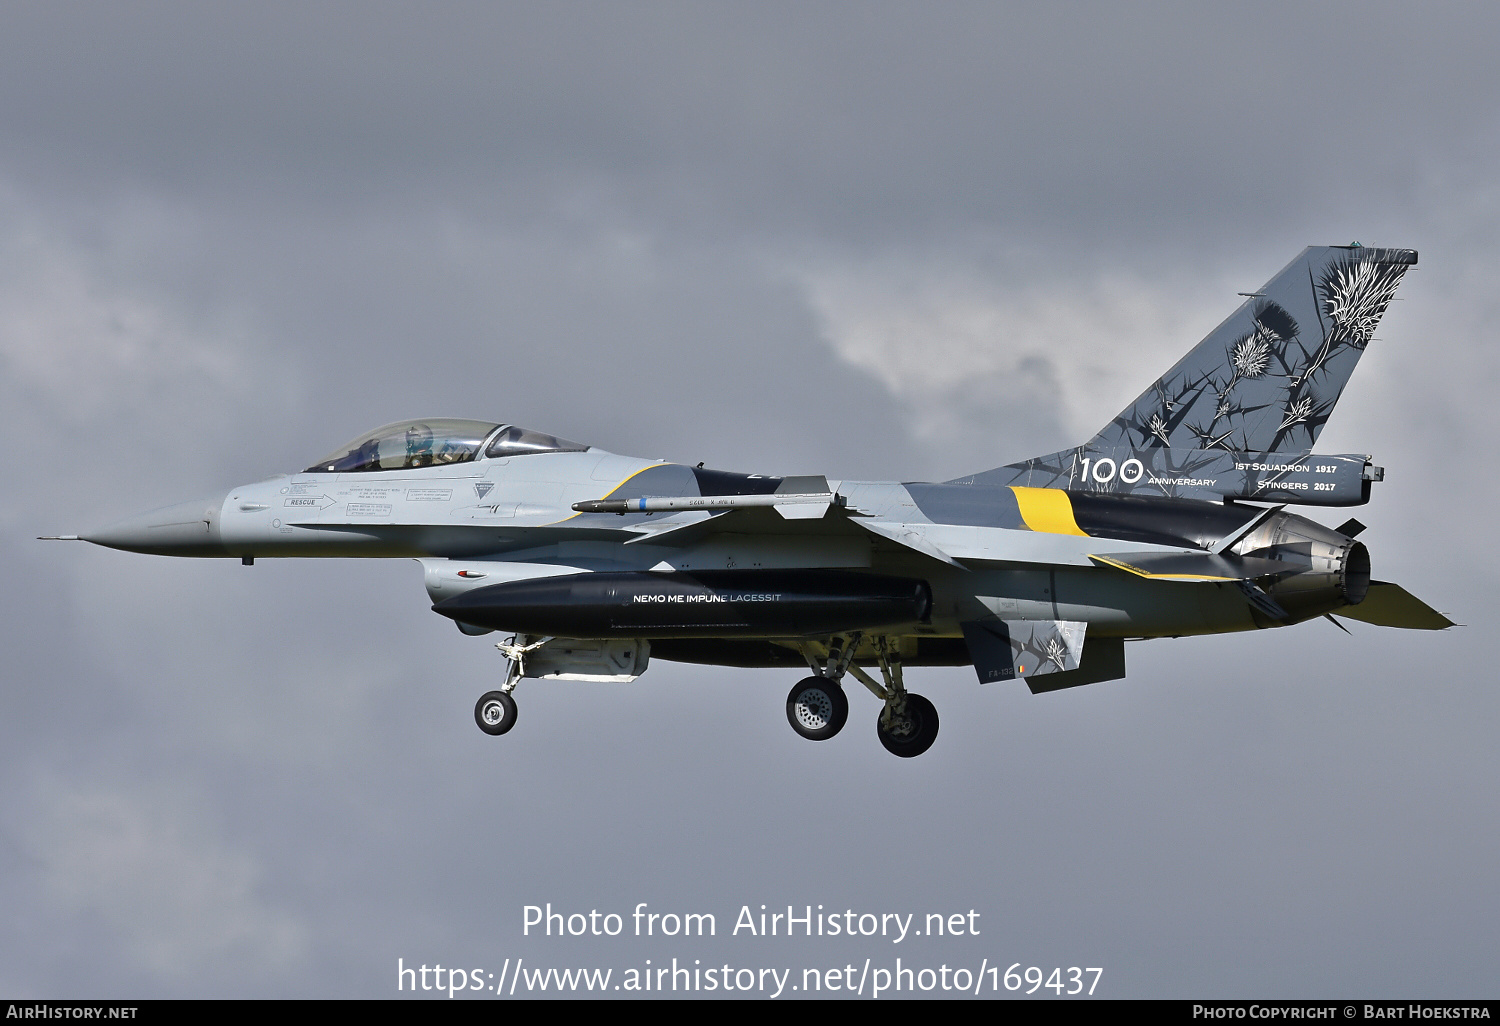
(1335, 569)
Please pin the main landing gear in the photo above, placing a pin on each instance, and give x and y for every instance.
(817, 706)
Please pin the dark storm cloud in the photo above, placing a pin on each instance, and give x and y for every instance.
(872, 240)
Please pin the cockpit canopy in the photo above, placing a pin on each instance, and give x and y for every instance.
(430, 443)
(514, 440)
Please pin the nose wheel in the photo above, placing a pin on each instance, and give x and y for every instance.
(495, 712)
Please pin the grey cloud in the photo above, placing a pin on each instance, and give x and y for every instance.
(891, 120)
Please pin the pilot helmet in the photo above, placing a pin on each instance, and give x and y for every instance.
(418, 440)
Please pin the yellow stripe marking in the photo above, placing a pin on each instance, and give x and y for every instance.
(622, 484)
(1157, 577)
(612, 491)
(1047, 510)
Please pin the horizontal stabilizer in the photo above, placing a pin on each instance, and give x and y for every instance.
(1007, 649)
(1192, 566)
(1390, 605)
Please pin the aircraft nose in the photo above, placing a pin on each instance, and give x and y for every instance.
(186, 529)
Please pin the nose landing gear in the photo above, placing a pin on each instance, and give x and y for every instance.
(495, 712)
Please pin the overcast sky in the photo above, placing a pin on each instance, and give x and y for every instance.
(872, 240)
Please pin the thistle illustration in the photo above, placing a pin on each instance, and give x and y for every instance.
(1355, 295)
(1252, 354)
(1055, 652)
(1158, 427)
(1297, 411)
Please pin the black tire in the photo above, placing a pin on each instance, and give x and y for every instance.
(916, 735)
(495, 712)
(817, 708)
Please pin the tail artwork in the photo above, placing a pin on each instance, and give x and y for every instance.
(1237, 417)
(1267, 378)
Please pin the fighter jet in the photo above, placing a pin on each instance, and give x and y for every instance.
(1171, 521)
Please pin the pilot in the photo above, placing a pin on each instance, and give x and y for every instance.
(418, 446)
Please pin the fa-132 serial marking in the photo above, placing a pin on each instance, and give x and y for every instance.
(1170, 521)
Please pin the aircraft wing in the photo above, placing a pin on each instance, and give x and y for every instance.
(1390, 605)
(944, 543)
(763, 521)
(952, 544)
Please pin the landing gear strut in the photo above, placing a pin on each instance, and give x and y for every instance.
(495, 712)
(816, 708)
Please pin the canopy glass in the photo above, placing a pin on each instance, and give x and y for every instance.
(408, 444)
(430, 443)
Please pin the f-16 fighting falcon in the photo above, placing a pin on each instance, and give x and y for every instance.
(1172, 520)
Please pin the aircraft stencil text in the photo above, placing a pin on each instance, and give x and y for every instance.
(691, 599)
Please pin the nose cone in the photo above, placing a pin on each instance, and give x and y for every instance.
(186, 529)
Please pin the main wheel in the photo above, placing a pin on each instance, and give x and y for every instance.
(817, 708)
(912, 734)
(495, 712)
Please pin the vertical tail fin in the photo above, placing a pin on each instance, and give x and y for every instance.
(1268, 377)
